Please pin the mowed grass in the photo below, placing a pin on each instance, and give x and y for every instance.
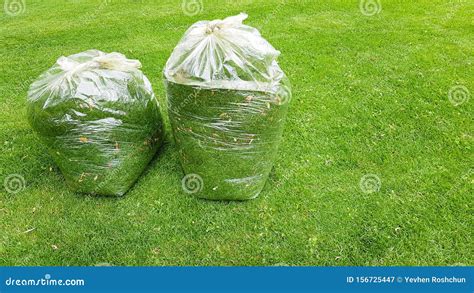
(370, 97)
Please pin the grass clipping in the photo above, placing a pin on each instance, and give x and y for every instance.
(227, 102)
(99, 119)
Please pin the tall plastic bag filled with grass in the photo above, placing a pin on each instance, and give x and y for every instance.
(227, 102)
(98, 116)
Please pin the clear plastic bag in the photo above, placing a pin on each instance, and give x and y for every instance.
(98, 116)
(227, 102)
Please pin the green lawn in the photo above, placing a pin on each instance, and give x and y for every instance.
(371, 96)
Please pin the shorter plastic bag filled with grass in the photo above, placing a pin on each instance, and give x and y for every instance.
(227, 102)
(99, 119)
